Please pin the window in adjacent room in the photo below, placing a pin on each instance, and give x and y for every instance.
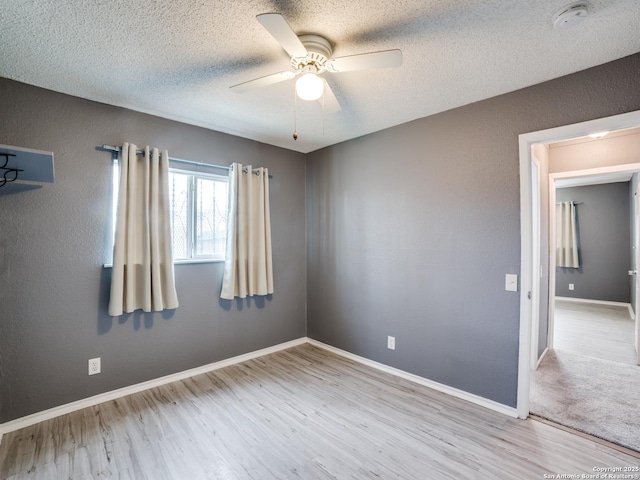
(198, 204)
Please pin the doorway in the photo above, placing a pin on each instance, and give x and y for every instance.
(529, 270)
(593, 313)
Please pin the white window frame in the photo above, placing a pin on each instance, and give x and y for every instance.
(191, 230)
(193, 176)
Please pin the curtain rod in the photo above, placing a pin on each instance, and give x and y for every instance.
(575, 203)
(114, 149)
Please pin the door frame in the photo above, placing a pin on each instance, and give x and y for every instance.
(535, 258)
(553, 177)
(636, 264)
(526, 141)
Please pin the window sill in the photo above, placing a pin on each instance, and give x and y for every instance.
(184, 262)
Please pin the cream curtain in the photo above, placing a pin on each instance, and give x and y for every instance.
(566, 236)
(143, 275)
(248, 269)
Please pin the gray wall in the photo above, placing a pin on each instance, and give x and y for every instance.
(54, 240)
(603, 243)
(411, 230)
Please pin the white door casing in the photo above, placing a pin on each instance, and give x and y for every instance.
(535, 259)
(527, 268)
(635, 258)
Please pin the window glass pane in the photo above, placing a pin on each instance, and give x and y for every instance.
(115, 181)
(210, 216)
(198, 214)
(179, 200)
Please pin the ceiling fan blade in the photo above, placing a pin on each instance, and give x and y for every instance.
(262, 81)
(364, 61)
(278, 27)
(331, 104)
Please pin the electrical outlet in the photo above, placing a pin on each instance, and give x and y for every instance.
(391, 343)
(571, 286)
(94, 366)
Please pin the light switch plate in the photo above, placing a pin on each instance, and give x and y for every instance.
(511, 282)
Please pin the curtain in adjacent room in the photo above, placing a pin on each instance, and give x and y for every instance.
(566, 236)
(143, 276)
(248, 269)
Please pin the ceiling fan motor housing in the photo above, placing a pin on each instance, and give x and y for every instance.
(318, 52)
(311, 55)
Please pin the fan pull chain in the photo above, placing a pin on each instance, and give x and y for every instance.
(295, 115)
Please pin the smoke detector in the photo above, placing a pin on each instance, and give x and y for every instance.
(571, 15)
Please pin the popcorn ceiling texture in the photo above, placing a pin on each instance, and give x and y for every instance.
(176, 59)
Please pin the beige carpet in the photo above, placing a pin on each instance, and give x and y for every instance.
(595, 396)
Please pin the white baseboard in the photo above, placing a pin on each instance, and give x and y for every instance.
(454, 392)
(54, 412)
(600, 302)
(589, 300)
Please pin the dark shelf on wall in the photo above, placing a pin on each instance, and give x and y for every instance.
(17, 164)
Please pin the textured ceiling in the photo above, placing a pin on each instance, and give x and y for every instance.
(178, 58)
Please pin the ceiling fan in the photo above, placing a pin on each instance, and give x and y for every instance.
(311, 56)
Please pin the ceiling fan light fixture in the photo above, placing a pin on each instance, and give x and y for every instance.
(309, 86)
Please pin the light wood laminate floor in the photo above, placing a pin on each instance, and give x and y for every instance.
(301, 413)
(600, 331)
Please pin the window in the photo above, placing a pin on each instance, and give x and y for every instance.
(198, 214)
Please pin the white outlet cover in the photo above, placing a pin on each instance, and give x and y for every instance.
(391, 343)
(94, 366)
